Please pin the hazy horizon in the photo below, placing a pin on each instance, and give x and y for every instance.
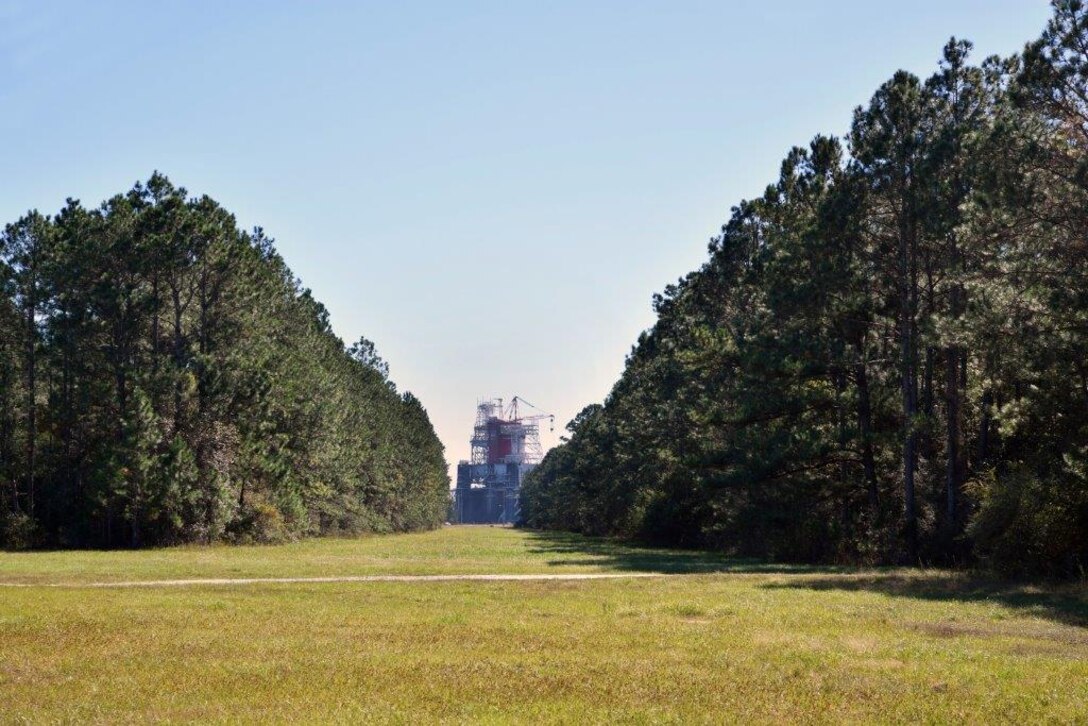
(490, 194)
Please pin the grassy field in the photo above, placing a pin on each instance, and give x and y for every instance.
(451, 550)
(719, 640)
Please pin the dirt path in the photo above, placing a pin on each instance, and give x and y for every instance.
(346, 578)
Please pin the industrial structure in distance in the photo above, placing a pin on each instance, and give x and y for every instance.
(505, 447)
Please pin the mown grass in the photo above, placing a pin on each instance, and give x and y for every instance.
(451, 550)
(727, 641)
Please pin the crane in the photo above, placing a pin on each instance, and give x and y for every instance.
(512, 413)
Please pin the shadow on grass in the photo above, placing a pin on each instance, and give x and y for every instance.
(576, 549)
(1067, 604)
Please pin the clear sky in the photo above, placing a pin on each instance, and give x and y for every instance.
(489, 191)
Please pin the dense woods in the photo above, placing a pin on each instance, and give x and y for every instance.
(164, 378)
(885, 358)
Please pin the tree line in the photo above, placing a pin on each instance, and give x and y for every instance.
(165, 378)
(885, 358)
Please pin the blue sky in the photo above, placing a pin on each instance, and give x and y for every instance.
(489, 191)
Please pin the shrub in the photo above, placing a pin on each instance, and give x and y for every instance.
(17, 530)
(1028, 524)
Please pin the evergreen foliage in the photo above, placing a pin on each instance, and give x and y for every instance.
(885, 358)
(164, 378)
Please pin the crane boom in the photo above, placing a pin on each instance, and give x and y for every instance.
(514, 416)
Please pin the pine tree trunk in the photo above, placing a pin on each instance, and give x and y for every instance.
(865, 429)
(121, 363)
(952, 465)
(67, 416)
(31, 397)
(955, 381)
(7, 435)
(155, 306)
(928, 396)
(179, 354)
(907, 343)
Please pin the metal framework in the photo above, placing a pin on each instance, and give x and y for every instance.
(505, 446)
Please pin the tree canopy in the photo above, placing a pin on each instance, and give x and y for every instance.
(165, 378)
(885, 358)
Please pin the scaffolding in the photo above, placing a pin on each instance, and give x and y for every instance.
(505, 446)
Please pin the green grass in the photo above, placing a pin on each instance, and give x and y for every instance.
(451, 550)
(727, 641)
